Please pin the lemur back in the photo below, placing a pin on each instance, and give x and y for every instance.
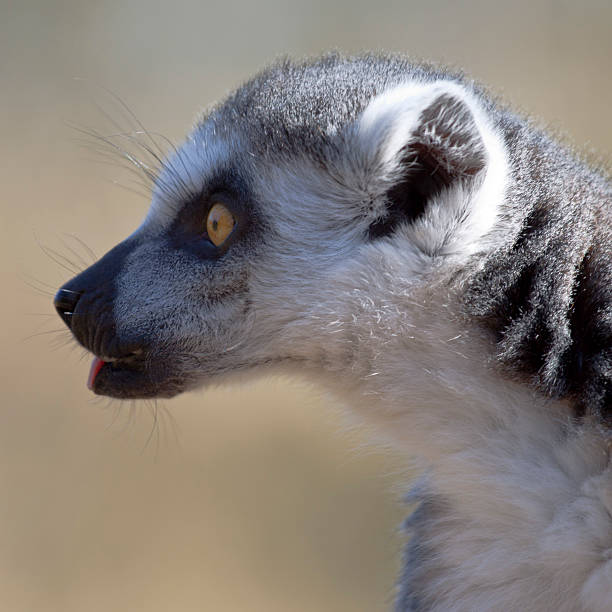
(439, 263)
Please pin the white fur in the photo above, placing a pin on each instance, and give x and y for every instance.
(526, 495)
(386, 126)
(527, 521)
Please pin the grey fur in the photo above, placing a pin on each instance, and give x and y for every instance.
(439, 263)
(546, 294)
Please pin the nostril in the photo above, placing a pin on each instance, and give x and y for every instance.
(65, 302)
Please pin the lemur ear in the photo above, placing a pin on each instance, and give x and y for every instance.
(440, 165)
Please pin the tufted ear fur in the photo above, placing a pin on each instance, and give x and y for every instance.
(439, 162)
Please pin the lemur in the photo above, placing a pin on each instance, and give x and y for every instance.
(438, 262)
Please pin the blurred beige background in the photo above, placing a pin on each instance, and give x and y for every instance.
(249, 499)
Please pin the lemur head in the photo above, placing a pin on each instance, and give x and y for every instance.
(312, 190)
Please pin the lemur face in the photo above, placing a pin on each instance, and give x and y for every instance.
(162, 309)
(267, 222)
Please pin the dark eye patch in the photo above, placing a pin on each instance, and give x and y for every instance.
(188, 230)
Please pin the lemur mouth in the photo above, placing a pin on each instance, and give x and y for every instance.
(115, 373)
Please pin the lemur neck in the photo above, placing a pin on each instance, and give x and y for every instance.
(514, 515)
(516, 502)
(429, 381)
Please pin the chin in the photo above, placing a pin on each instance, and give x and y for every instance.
(134, 378)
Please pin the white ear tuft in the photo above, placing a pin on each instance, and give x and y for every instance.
(441, 160)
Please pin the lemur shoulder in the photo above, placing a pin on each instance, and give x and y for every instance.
(438, 262)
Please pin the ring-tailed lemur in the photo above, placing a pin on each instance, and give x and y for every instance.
(438, 262)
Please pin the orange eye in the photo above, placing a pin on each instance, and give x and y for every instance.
(219, 224)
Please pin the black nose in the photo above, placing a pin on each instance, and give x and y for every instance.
(65, 302)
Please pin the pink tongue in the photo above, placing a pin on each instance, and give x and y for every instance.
(96, 366)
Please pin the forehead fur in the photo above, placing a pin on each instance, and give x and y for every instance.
(292, 107)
